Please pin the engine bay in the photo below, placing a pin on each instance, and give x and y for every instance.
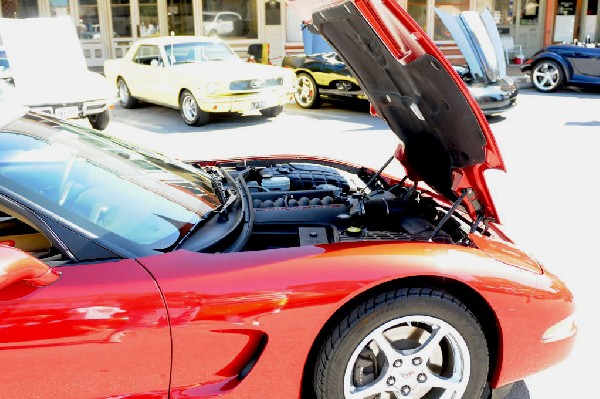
(301, 203)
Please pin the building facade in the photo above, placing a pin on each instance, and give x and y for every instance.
(107, 28)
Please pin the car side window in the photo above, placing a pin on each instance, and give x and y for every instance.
(18, 231)
(148, 55)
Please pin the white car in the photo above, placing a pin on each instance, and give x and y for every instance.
(200, 76)
(49, 72)
(222, 23)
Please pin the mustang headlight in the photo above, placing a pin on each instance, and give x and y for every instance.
(212, 87)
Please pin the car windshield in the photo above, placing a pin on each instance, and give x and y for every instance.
(208, 17)
(195, 52)
(106, 186)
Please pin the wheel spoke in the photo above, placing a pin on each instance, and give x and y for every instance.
(437, 334)
(378, 386)
(449, 385)
(390, 353)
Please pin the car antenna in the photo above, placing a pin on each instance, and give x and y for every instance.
(172, 57)
(376, 175)
(449, 213)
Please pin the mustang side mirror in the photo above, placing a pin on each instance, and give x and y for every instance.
(16, 265)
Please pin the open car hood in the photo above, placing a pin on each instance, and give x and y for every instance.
(445, 139)
(477, 37)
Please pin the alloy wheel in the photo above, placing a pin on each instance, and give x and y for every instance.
(547, 76)
(410, 356)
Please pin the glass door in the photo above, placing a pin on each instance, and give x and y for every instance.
(88, 29)
(122, 32)
(20, 8)
(180, 17)
(148, 24)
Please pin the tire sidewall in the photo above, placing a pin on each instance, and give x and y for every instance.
(458, 318)
(201, 116)
(131, 101)
(100, 121)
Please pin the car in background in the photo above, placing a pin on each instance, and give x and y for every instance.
(200, 76)
(321, 76)
(484, 71)
(560, 65)
(222, 23)
(49, 71)
(223, 273)
(4, 65)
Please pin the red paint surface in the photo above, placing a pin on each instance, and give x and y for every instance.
(100, 330)
(289, 294)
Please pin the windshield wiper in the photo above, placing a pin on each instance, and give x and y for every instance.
(217, 186)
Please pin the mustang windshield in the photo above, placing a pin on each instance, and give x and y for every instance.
(103, 185)
(195, 52)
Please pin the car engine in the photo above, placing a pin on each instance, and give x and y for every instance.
(299, 204)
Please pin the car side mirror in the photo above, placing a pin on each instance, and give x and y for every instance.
(16, 265)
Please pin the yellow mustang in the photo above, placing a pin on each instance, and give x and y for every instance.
(200, 76)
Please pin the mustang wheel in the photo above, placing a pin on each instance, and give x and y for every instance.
(547, 76)
(272, 111)
(100, 121)
(125, 98)
(414, 343)
(190, 111)
(306, 91)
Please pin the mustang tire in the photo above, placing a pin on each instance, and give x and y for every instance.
(125, 98)
(417, 343)
(272, 111)
(306, 91)
(547, 76)
(99, 121)
(190, 110)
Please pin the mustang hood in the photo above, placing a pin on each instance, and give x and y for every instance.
(445, 139)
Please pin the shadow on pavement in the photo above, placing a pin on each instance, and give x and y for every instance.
(519, 391)
(495, 119)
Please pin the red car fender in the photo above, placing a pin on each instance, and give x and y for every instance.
(286, 296)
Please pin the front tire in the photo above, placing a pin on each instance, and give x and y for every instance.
(125, 98)
(99, 121)
(272, 112)
(306, 91)
(417, 343)
(547, 76)
(190, 110)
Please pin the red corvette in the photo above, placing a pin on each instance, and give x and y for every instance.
(125, 274)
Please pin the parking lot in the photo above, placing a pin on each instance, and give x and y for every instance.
(549, 144)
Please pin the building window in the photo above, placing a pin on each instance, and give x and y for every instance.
(180, 17)
(230, 19)
(19, 8)
(121, 18)
(148, 18)
(89, 22)
(418, 10)
(59, 8)
(454, 7)
(529, 12)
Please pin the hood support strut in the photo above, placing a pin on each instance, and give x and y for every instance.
(466, 192)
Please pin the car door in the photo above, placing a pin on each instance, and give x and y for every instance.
(147, 66)
(99, 330)
(585, 62)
